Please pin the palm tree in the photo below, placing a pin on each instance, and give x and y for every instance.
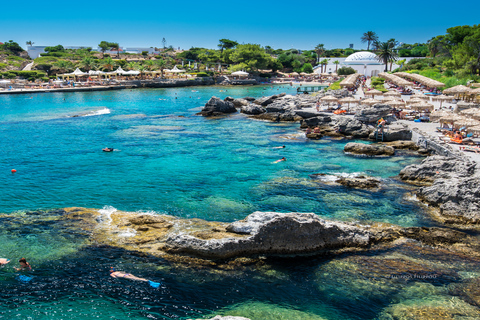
(336, 63)
(368, 37)
(131, 65)
(385, 52)
(319, 49)
(88, 63)
(150, 64)
(324, 62)
(62, 66)
(142, 69)
(30, 43)
(161, 64)
(108, 63)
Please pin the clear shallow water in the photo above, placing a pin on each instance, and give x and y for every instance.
(168, 160)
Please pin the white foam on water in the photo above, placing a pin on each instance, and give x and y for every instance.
(334, 176)
(97, 112)
(106, 215)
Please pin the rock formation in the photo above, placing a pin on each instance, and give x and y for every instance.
(369, 149)
(372, 114)
(216, 107)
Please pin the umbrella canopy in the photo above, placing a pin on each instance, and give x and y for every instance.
(436, 115)
(373, 92)
(450, 118)
(348, 100)
(294, 74)
(457, 89)
(77, 72)
(466, 123)
(422, 106)
(388, 98)
(470, 111)
(329, 99)
(443, 97)
(240, 73)
(414, 100)
(475, 91)
(392, 94)
(369, 101)
(175, 70)
(94, 73)
(474, 129)
(396, 103)
(419, 96)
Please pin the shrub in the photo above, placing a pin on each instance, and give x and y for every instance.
(202, 74)
(307, 67)
(376, 81)
(3, 65)
(343, 71)
(265, 75)
(335, 85)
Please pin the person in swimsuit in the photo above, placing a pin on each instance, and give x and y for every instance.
(279, 147)
(3, 261)
(280, 160)
(121, 274)
(24, 265)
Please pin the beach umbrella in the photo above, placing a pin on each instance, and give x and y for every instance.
(475, 129)
(419, 96)
(373, 92)
(475, 91)
(348, 100)
(466, 123)
(329, 99)
(469, 111)
(395, 103)
(414, 100)
(369, 101)
(436, 115)
(5, 82)
(392, 94)
(422, 106)
(450, 118)
(457, 89)
(388, 98)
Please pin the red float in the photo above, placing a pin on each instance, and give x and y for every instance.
(13, 170)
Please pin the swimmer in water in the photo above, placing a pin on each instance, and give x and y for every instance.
(280, 160)
(24, 265)
(3, 261)
(121, 274)
(281, 147)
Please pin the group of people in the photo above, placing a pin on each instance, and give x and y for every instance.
(24, 265)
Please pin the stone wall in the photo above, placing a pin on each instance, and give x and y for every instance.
(426, 141)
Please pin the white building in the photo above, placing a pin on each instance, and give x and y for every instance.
(35, 51)
(137, 50)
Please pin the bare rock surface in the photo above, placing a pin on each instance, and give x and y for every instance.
(369, 149)
(372, 114)
(215, 107)
(274, 233)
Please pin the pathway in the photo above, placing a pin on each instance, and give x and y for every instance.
(28, 67)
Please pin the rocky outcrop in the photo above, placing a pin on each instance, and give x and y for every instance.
(317, 121)
(353, 128)
(372, 114)
(369, 149)
(436, 167)
(274, 233)
(216, 107)
(360, 182)
(252, 109)
(403, 145)
(451, 185)
(394, 132)
(226, 318)
(265, 101)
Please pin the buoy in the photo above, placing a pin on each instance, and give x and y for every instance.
(13, 170)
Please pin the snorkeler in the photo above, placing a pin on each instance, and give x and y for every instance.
(121, 274)
(3, 261)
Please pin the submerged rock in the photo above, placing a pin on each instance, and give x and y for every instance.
(369, 149)
(215, 107)
(360, 182)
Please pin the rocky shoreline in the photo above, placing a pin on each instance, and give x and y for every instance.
(451, 185)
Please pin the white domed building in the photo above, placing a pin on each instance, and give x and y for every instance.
(365, 63)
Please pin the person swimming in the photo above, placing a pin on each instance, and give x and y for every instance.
(24, 265)
(281, 147)
(107, 149)
(4, 261)
(124, 275)
(280, 160)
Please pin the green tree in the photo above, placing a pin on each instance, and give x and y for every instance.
(369, 37)
(62, 66)
(30, 43)
(343, 71)
(320, 50)
(385, 52)
(307, 68)
(57, 48)
(107, 63)
(104, 46)
(115, 46)
(88, 63)
(12, 47)
(336, 63)
(161, 65)
(226, 44)
(324, 63)
(251, 55)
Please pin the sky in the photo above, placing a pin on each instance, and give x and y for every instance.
(185, 24)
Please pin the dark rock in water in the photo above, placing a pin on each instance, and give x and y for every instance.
(352, 127)
(215, 106)
(230, 99)
(372, 114)
(314, 136)
(394, 132)
(249, 99)
(253, 109)
(469, 291)
(274, 233)
(369, 149)
(359, 182)
(436, 167)
(308, 114)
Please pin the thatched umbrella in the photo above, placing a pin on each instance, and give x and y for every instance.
(457, 89)
(466, 123)
(436, 115)
(475, 129)
(414, 100)
(419, 96)
(395, 103)
(348, 100)
(373, 92)
(329, 99)
(369, 101)
(387, 98)
(470, 111)
(422, 106)
(475, 91)
(392, 94)
(450, 118)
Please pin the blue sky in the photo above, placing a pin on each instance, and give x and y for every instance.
(280, 24)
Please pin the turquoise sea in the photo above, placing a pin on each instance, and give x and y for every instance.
(168, 160)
